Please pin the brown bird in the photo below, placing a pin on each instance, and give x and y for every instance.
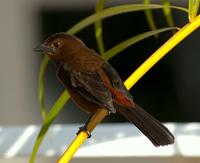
(94, 84)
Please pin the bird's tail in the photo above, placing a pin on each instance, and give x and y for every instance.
(157, 133)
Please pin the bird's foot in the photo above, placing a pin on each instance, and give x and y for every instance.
(83, 128)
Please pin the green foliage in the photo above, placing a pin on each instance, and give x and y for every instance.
(41, 86)
(168, 13)
(193, 9)
(98, 27)
(125, 44)
(48, 121)
(149, 17)
(112, 11)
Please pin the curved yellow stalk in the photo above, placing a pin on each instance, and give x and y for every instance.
(82, 136)
(146, 66)
(80, 139)
(162, 51)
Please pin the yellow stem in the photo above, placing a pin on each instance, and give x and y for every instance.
(96, 119)
(162, 51)
(82, 136)
(78, 141)
(146, 66)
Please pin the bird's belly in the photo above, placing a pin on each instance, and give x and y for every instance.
(84, 104)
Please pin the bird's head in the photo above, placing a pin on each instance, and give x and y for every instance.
(60, 46)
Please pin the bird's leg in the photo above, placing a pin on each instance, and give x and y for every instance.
(94, 119)
(84, 128)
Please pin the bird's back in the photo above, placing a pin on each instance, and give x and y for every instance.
(85, 59)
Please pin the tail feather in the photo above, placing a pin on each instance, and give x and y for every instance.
(157, 133)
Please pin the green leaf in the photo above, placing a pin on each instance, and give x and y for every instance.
(125, 44)
(168, 13)
(193, 9)
(149, 17)
(41, 86)
(98, 27)
(47, 122)
(115, 11)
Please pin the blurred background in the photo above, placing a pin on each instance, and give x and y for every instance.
(170, 91)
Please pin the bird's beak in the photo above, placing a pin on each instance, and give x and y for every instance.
(43, 48)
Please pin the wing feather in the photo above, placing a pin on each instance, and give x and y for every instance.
(115, 79)
(88, 85)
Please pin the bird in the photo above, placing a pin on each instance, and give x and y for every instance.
(94, 84)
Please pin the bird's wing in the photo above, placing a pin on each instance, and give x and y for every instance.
(89, 86)
(115, 79)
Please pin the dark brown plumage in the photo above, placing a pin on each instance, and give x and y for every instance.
(93, 83)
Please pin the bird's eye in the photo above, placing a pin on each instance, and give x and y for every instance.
(57, 44)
